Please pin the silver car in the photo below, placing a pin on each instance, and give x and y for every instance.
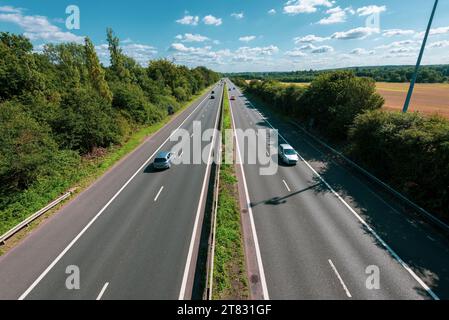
(163, 160)
(288, 155)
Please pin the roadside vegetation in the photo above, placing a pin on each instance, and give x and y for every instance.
(408, 151)
(65, 118)
(230, 276)
(427, 74)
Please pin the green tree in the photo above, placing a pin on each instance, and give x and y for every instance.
(85, 121)
(18, 70)
(26, 147)
(132, 101)
(117, 57)
(96, 72)
(334, 99)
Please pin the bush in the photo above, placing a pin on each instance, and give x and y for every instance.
(162, 103)
(26, 147)
(85, 120)
(284, 99)
(131, 99)
(409, 151)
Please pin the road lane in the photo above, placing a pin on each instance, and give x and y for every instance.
(300, 231)
(136, 245)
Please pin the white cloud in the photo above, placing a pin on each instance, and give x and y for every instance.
(211, 20)
(238, 16)
(140, 52)
(323, 49)
(315, 49)
(10, 9)
(361, 52)
(397, 32)
(258, 51)
(400, 44)
(189, 20)
(336, 15)
(309, 39)
(37, 27)
(294, 7)
(189, 37)
(182, 48)
(247, 38)
(253, 54)
(433, 32)
(369, 10)
(205, 55)
(439, 44)
(295, 53)
(272, 12)
(438, 31)
(357, 33)
(400, 50)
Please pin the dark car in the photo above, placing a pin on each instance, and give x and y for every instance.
(163, 160)
(212, 97)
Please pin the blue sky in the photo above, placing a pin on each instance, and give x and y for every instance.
(244, 35)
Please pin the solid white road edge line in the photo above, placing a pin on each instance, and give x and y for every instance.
(185, 277)
(374, 233)
(250, 212)
(70, 245)
(159, 193)
(102, 291)
(340, 278)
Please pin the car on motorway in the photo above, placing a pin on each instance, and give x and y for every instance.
(212, 97)
(163, 160)
(232, 97)
(288, 155)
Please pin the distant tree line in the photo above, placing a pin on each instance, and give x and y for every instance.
(409, 151)
(60, 104)
(427, 74)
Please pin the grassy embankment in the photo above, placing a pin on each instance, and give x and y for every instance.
(78, 176)
(230, 277)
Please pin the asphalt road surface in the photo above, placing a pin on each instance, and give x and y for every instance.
(323, 231)
(132, 235)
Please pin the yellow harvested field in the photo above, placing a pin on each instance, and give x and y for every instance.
(428, 98)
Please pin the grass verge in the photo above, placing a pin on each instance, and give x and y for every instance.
(230, 276)
(75, 175)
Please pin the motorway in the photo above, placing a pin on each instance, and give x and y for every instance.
(132, 235)
(321, 230)
(319, 227)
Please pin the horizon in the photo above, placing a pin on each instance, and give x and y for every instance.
(344, 68)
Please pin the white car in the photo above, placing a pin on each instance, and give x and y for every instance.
(288, 155)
